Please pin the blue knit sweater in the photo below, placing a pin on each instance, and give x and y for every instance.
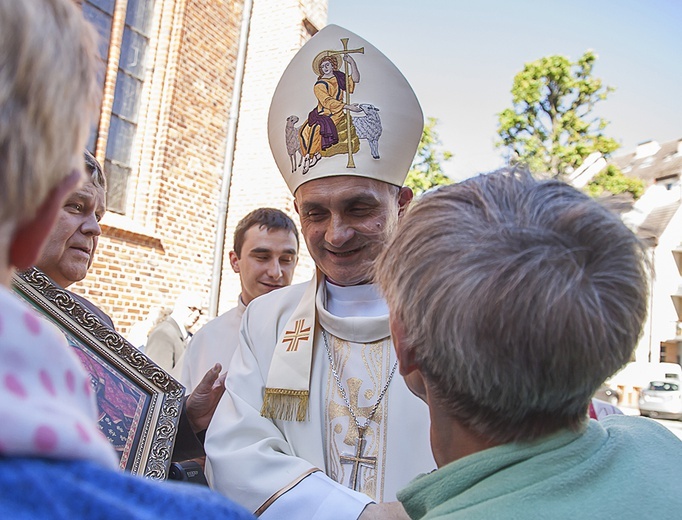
(35, 488)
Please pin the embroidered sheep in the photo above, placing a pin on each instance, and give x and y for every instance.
(369, 127)
(292, 141)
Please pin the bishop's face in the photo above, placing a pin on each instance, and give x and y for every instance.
(346, 222)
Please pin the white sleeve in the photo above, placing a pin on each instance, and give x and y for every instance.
(317, 497)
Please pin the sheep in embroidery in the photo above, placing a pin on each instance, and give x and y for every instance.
(369, 127)
(292, 141)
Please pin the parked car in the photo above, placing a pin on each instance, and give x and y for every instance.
(662, 398)
(608, 394)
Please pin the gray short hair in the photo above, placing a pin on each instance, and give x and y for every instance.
(518, 297)
(48, 97)
(94, 170)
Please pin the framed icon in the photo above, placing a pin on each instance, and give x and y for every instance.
(139, 403)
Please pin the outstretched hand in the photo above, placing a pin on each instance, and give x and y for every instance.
(202, 402)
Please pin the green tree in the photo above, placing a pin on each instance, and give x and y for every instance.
(551, 126)
(612, 180)
(426, 170)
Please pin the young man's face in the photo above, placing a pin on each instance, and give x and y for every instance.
(70, 247)
(267, 261)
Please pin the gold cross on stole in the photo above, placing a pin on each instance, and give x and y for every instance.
(293, 337)
(358, 459)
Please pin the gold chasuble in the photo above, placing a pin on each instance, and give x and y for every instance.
(358, 463)
(268, 464)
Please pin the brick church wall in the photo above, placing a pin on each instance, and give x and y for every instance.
(164, 243)
(278, 30)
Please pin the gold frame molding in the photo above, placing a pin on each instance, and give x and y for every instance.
(146, 437)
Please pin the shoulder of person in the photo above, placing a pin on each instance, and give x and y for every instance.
(216, 325)
(165, 328)
(266, 316)
(277, 301)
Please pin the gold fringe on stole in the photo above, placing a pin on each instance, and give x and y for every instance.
(285, 404)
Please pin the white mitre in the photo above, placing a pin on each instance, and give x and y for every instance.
(308, 132)
(384, 135)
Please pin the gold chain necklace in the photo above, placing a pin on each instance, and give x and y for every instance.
(358, 459)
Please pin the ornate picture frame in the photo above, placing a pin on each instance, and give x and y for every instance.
(139, 402)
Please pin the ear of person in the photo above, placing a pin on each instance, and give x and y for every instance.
(408, 366)
(404, 198)
(30, 236)
(234, 261)
(406, 362)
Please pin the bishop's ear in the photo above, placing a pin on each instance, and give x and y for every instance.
(404, 198)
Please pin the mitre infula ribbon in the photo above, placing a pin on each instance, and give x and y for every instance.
(288, 386)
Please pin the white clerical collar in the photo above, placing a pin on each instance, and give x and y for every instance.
(288, 384)
(354, 301)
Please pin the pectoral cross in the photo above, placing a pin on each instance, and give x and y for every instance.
(358, 460)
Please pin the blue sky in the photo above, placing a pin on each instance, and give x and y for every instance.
(461, 58)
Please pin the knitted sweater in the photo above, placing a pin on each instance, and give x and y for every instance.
(621, 467)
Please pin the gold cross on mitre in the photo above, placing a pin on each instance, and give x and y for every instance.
(346, 50)
(382, 84)
(293, 337)
(358, 459)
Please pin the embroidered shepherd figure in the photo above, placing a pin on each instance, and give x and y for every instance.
(328, 129)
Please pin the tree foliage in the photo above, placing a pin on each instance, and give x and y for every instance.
(612, 180)
(551, 126)
(426, 170)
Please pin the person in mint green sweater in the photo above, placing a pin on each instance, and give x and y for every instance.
(511, 300)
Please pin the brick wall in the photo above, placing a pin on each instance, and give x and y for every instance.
(277, 32)
(164, 243)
